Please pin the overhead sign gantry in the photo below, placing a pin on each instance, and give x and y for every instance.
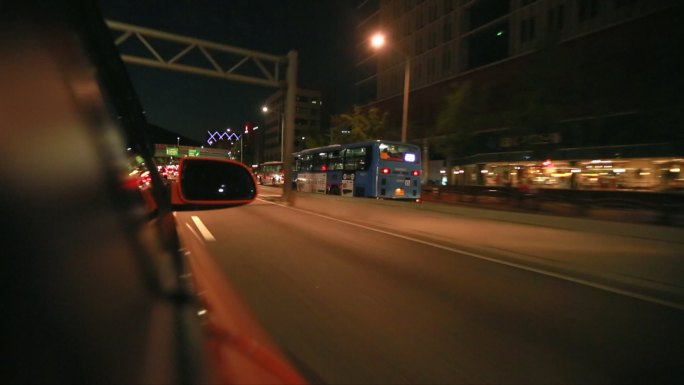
(244, 66)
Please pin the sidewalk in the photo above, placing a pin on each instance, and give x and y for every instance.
(622, 222)
(641, 215)
(640, 258)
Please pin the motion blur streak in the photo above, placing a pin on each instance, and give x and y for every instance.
(240, 359)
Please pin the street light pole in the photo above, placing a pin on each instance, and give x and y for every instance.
(289, 126)
(282, 136)
(378, 41)
(404, 115)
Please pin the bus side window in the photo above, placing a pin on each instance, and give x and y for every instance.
(320, 161)
(348, 159)
(307, 162)
(364, 159)
(336, 161)
(356, 159)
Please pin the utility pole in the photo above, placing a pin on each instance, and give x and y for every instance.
(290, 100)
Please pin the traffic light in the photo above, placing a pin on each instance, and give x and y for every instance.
(249, 127)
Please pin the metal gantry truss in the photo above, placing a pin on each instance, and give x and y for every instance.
(269, 66)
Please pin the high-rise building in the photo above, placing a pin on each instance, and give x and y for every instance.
(307, 122)
(602, 69)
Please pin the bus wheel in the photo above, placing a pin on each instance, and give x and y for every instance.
(334, 190)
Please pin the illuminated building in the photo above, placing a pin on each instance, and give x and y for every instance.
(602, 79)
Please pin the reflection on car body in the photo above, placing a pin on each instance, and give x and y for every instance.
(97, 284)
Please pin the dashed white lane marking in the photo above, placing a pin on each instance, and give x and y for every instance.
(194, 232)
(208, 236)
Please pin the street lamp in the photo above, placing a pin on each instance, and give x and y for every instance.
(178, 141)
(377, 42)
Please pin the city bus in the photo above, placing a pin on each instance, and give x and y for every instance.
(378, 169)
(271, 173)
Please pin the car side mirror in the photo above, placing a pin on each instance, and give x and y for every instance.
(206, 183)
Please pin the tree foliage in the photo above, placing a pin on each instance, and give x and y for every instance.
(311, 139)
(460, 115)
(361, 123)
(526, 103)
(467, 110)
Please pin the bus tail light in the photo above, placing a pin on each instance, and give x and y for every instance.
(415, 173)
(385, 170)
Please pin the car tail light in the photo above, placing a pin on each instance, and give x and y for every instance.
(415, 173)
(385, 170)
(323, 168)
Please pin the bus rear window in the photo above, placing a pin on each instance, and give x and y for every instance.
(399, 153)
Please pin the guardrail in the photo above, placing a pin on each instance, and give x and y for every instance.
(664, 208)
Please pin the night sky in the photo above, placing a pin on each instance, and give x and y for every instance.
(321, 31)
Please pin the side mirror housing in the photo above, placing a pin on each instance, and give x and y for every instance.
(207, 183)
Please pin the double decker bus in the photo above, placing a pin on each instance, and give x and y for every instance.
(379, 169)
(271, 173)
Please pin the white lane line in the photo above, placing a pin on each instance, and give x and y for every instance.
(564, 277)
(193, 232)
(208, 236)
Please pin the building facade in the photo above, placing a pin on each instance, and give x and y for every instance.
(605, 74)
(307, 123)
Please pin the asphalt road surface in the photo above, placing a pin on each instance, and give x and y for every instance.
(349, 305)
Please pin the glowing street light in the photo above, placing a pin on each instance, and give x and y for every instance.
(378, 42)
